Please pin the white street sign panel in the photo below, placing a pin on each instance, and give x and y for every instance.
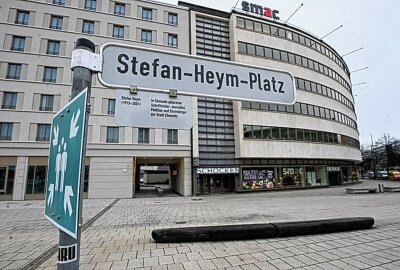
(155, 70)
(65, 160)
(149, 110)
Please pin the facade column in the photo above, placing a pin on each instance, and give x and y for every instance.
(21, 174)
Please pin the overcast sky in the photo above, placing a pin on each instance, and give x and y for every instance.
(371, 24)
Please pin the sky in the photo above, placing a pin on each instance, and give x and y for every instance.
(371, 24)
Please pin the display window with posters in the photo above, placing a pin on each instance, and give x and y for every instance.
(258, 178)
(291, 177)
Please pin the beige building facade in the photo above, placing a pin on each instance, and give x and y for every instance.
(233, 146)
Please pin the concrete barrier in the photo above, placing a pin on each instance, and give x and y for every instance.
(260, 231)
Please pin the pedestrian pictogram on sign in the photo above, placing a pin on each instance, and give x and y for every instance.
(65, 163)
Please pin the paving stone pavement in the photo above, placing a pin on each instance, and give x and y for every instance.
(121, 238)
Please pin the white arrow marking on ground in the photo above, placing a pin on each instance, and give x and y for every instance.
(73, 128)
(55, 131)
(67, 200)
(51, 194)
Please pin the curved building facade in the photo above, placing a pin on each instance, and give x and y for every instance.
(313, 142)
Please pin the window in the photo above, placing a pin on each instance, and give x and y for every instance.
(56, 22)
(6, 130)
(112, 134)
(18, 43)
(88, 27)
(90, 4)
(143, 135)
(147, 36)
(111, 107)
(14, 71)
(9, 100)
(22, 17)
(147, 14)
(257, 132)
(53, 47)
(43, 132)
(173, 18)
(59, 2)
(118, 31)
(247, 132)
(50, 74)
(172, 136)
(36, 179)
(119, 9)
(46, 103)
(172, 40)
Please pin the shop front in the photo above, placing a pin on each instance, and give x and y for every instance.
(267, 178)
(334, 175)
(216, 180)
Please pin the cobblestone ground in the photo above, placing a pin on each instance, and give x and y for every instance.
(121, 238)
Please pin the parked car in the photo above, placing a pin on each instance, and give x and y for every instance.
(394, 175)
(382, 175)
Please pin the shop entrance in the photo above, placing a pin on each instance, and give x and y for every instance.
(216, 183)
(334, 178)
(154, 174)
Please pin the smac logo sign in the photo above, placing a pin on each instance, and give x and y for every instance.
(257, 9)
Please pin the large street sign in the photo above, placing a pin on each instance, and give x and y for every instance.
(154, 70)
(65, 160)
(148, 110)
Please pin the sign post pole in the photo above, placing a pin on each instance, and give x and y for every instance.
(81, 79)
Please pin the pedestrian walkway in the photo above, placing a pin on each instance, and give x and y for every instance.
(121, 237)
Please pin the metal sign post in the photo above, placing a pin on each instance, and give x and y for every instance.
(64, 190)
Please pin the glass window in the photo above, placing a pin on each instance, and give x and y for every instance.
(296, 37)
(290, 108)
(273, 107)
(311, 110)
(313, 135)
(298, 60)
(242, 47)
(319, 136)
(307, 135)
(18, 43)
(276, 54)
(301, 84)
(281, 32)
(112, 135)
(268, 52)
(53, 47)
(275, 133)
(249, 24)
(147, 14)
(266, 133)
(292, 134)
(300, 134)
(257, 134)
(284, 56)
(172, 40)
(245, 104)
(90, 4)
(118, 31)
(247, 132)
(274, 30)
(172, 136)
(88, 27)
(111, 107)
(46, 103)
(251, 49)
(56, 22)
(143, 135)
(257, 26)
(172, 18)
(119, 9)
(240, 22)
(297, 108)
(6, 130)
(291, 58)
(316, 111)
(265, 29)
(9, 100)
(36, 179)
(14, 71)
(284, 133)
(22, 17)
(260, 51)
(146, 36)
(59, 2)
(50, 74)
(304, 109)
(43, 132)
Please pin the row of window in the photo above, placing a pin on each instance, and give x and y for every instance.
(304, 109)
(296, 59)
(14, 72)
(43, 134)
(10, 101)
(22, 16)
(321, 89)
(296, 134)
(292, 36)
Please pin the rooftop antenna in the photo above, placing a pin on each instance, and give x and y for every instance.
(352, 52)
(356, 84)
(332, 31)
(293, 13)
(358, 70)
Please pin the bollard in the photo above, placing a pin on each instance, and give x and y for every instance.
(380, 188)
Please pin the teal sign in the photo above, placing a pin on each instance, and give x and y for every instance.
(65, 160)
